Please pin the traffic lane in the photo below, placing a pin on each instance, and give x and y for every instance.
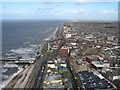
(40, 77)
(43, 76)
(42, 73)
(42, 59)
(44, 70)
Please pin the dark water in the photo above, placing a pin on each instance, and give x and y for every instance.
(16, 34)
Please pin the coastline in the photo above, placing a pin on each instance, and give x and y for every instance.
(42, 44)
(5, 83)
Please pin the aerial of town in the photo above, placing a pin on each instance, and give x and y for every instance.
(81, 56)
(50, 45)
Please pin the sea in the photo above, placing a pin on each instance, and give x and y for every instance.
(18, 34)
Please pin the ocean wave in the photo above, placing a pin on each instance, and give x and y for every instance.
(33, 45)
(26, 42)
(9, 65)
(4, 77)
(52, 36)
(4, 83)
(3, 70)
(22, 50)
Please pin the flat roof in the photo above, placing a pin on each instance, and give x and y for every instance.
(92, 81)
(97, 63)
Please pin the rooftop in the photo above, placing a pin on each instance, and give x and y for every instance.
(92, 81)
(97, 63)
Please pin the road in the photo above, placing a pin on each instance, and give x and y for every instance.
(43, 68)
(39, 80)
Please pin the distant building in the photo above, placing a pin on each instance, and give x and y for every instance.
(56, 46)
(79, 65)
(64, 51)
(67, 36)
(91, 58)
(82, 65)
(73, 53)
(98, 65)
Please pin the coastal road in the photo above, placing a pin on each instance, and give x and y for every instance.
(40, 78)
(43, 68)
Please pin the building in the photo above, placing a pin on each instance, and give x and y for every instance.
(94, 81)
(79, 65)
(91, 58)
(64, 51)
(82, 65)
(68, 36)
(98, 65)
(73, 53)
(56, 46)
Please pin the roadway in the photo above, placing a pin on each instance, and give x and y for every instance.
(43, 68)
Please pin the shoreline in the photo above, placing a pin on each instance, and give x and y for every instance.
(5, 83)
(40, 48)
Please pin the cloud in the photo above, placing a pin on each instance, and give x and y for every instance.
(81, 10)
(82, 0)
(106, 12)
(48, 9)
(81, 3)
(69, 11)
(44, 9)
(46, 1)
(39, 11)
(20, 12)
(79, 0)
(96, 1)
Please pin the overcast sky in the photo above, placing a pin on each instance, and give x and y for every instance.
(60, 10)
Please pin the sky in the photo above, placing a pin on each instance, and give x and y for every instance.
(60, 10)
